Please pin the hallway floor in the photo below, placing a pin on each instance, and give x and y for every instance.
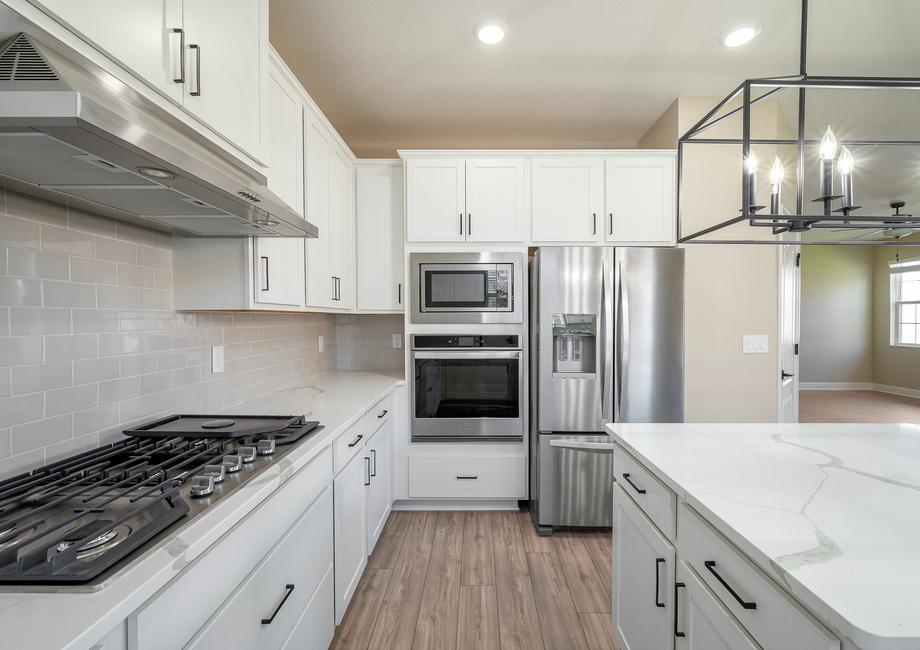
(857, 406)
(481, 580)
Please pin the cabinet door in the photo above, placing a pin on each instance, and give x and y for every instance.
(640, 200)
(380, 491)
(318, 158)
(701, 622)
(279, 271)
(138, 35)
(643, 579)
(496, 199)
(342, 229)
(284, 126)
(350, 522)
(379, 236)
(226, 58)
(567, 199)
(436, 200)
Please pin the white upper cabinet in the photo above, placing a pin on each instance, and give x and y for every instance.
(284, 127)
(143, 36)
(436, 200)
(496, 199)
(567, 199)
(639, 192)
(226, 61)
(279, 276)
(342, 229)
(379, 235)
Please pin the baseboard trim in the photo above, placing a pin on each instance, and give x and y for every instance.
(830, 385)
(455, 504)
(881, 388)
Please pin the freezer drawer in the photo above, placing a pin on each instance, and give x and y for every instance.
(575, 480)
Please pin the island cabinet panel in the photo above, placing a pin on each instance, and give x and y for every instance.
(643, 579)
(766, 612)
(700, 620)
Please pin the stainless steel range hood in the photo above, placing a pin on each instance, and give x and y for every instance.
(72, 133)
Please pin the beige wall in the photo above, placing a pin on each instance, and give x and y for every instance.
(892, 366)
(731, 290)
(836, 342)
(663, 134)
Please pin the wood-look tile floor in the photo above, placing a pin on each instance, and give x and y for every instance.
(481, 581)
(857, 406)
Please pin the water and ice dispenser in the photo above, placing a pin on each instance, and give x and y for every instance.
(574, 345)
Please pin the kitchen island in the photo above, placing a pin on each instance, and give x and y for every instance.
(806, 533)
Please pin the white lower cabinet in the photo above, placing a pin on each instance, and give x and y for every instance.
(380, 491)
(468, 477)
(700, 620)
(350, 525)
(643, 579)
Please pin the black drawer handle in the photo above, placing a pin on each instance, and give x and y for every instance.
(383, 415)
(467, 477)
(710, 564)
(635, 487)
(677, 585)
(356, 440)
(658, 562)
(289, 590)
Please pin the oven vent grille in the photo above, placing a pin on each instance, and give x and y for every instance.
(20, 61)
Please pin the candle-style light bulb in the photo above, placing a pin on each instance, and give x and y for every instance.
(846, 163)
(776, 184)
(828, 148)
(750, 169)
(750, 163)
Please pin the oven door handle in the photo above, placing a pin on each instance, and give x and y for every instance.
(582, 445)
(478, 354)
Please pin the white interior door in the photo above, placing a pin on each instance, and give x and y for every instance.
(790, 279)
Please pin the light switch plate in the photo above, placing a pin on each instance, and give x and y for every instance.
(321, 343)
(397, 341)
(217, 359)
(755, 344)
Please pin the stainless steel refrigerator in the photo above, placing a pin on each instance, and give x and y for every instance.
(606, 345)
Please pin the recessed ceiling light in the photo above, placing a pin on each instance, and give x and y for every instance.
(490, 33)
(740, 35)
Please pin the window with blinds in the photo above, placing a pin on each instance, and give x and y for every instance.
(905, 302)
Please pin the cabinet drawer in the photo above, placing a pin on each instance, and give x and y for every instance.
(770, 616)
(264, 610)
(654, 497)
(172, 616)
(467, 477)
(352, 441)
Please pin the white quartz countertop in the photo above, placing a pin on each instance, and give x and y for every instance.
(68, 620)
(831, 511)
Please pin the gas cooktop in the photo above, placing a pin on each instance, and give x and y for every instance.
(80, 520)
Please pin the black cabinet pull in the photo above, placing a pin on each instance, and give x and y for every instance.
(367, 470)
(469, 224)
(374, 462)
(399, 293)
(356, 440)
(181, 32)
(197, 91)
(658, 562)
(711, 565)
(594, 223)
(383, 415)
(461, 223)
(464, 477)
(677, 585)
(265, 273)
(611, 223)
(634, 486)
(289, 590)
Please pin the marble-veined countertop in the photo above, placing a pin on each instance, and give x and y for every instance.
(830, 511)
(76, 620)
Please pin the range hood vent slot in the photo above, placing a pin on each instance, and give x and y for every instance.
(20, 61)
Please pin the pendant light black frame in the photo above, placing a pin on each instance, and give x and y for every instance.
(799, 222)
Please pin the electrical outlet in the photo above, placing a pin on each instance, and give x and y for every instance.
(217, 359)
(321, 343)
(397, 341)
(755, 344)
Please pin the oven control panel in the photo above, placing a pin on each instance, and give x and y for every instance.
(461, 341)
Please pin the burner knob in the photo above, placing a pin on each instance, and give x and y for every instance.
(217, 472)
(266, 447)
(247, 454)
(232, 463)
(201, 486)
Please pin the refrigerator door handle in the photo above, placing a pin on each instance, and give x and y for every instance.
(582, 445)
(607, 346)
(622, 333)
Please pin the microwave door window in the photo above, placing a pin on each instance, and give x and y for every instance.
(466, 388)
(446, 290)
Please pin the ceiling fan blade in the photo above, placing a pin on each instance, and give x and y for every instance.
(870, 234)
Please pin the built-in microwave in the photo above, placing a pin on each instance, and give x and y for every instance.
(451, 288)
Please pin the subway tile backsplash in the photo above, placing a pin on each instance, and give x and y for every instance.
(89, 342)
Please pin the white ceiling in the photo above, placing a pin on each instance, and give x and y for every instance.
(570, 74)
